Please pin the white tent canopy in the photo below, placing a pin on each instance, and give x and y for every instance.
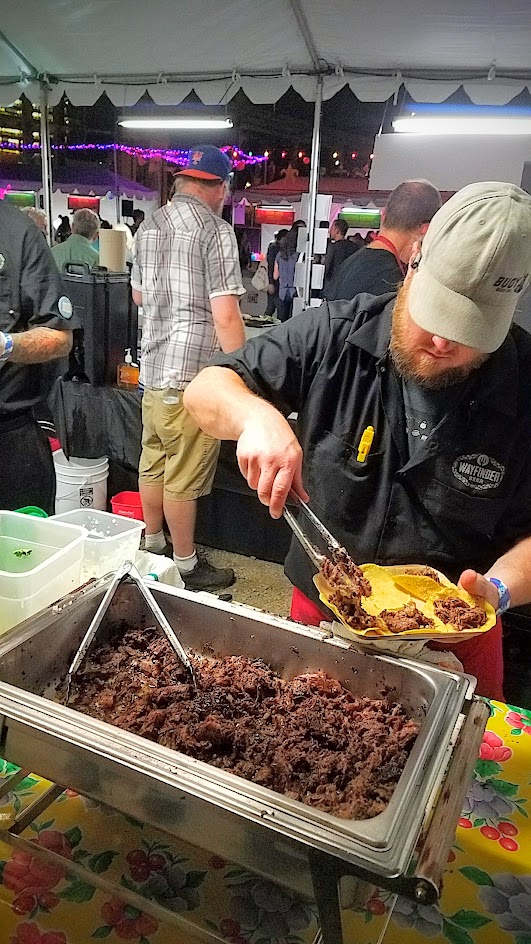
(216, 47)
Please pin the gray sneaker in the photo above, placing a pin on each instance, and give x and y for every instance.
(206, 577)
(167, 550)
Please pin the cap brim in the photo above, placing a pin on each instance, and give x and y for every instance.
(439, 310)
(201, 174)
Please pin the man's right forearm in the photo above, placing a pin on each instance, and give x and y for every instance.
(221, 403)
(268, 453)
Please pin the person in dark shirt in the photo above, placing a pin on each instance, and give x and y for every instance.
(284, 273)
(338, 250)
(381, 266)
(138, 218)
(35, 327)
(272, 289)
(357, 241)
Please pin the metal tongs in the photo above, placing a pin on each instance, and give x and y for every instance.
(127, 570)
(333, 545)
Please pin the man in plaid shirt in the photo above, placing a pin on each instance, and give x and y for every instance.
(186, 276)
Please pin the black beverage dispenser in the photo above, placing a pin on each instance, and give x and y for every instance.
(103, 303)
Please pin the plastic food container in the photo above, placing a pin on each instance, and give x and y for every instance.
(110, 540)
(40, 561)
(128, 504)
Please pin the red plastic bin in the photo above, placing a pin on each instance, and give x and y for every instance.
(128, 505)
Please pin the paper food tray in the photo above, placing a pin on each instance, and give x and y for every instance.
(441, 632)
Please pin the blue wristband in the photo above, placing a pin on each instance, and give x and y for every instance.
(8, 348)
(504, 597)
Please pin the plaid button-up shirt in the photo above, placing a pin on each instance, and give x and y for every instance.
(183, 256)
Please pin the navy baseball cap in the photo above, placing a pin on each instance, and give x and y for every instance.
(207, 163)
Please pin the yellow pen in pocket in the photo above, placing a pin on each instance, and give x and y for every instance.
(365, 443)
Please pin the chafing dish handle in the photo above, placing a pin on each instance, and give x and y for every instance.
(431, 863)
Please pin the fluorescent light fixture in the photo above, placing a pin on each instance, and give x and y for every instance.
(179, 123)
(422, 124)
(276, 206)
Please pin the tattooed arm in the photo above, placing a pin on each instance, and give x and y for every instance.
(39, 345)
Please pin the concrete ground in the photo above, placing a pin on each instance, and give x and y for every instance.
(258, 583)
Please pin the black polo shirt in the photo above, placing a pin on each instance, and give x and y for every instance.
(375, 271)
(32, 294)
(461, 500)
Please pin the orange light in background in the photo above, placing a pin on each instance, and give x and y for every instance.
(84, 203)
(278, 216)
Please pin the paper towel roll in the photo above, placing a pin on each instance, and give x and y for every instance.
(112, 249)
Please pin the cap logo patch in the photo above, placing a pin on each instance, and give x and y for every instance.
(478, 471)
(516, 284)
(197, 157)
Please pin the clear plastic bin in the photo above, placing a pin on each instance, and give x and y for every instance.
(40, 561)
(110, 540)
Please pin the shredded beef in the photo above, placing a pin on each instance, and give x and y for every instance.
(459, 613)
(308, 738)
(405, 619)
(342, 573)
(348, 584)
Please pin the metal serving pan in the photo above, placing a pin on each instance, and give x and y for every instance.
(251, 824)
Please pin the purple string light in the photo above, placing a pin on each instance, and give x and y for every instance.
(172, 156)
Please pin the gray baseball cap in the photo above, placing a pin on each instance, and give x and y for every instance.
(474, 264)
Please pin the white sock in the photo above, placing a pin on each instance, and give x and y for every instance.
(155, 542)
(186, 565)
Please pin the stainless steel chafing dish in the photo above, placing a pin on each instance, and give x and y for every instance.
(281, 838)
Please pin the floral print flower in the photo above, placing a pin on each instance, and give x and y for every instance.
(426, 919)
(29, 934)
(174, 888)
(141, 864)
(127, 922)
(509, 900)
(261, 906)
(493, 748)
(519, 719)
(32, 881)
(54, 841)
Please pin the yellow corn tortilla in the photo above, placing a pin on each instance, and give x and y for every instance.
(386, 595)
(417, 585)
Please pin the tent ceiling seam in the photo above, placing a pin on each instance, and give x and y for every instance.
(33, 72)
(306, 33)
(440, 75)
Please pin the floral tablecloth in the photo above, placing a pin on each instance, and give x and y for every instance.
(107, 864)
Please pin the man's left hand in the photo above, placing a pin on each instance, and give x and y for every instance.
(479, 586)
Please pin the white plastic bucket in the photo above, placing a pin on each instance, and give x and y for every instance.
(80, 483)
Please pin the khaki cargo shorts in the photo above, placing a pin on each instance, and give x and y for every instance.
(175, 452)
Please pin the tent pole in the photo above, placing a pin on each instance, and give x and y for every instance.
(116, 186)
(314, 187)
(46, 158)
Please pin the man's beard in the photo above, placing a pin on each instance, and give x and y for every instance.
(417, 366)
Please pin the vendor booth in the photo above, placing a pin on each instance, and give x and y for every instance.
(75, 185)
